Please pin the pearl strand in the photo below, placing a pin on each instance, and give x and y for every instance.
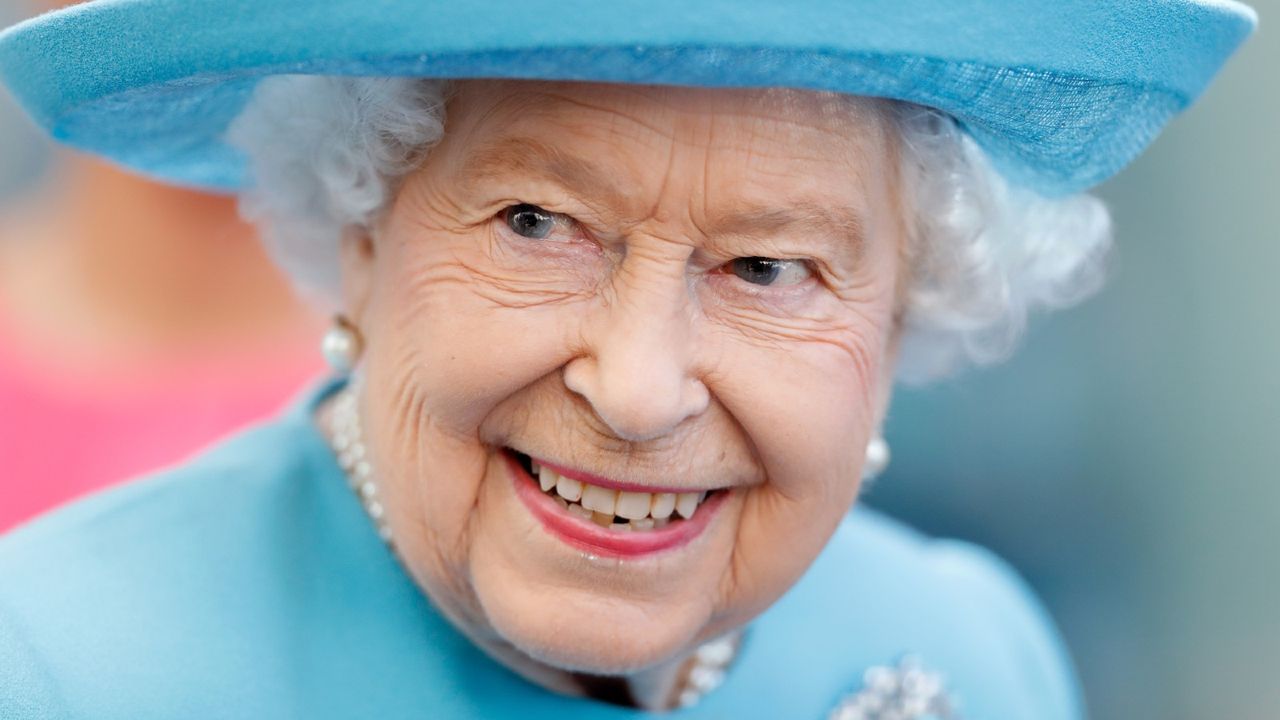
(711, 662)
(353, 457)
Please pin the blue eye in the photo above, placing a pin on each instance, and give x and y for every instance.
(530, 221)
(770, 271)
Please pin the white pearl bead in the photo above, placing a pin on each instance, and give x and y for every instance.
(877, 458)
(341, 349)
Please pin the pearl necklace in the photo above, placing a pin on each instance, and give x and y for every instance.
(709, 662)
(353, 458)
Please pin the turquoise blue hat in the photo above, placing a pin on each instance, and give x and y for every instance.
(1061, 93)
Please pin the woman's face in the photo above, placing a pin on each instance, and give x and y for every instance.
(652, 289)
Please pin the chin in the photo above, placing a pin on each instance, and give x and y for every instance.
(581, 609)
(592, 634)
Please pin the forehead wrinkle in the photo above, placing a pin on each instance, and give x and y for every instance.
(627, 110)
(636, 116)
(504, 157)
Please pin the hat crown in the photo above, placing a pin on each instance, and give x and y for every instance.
(1061, 93)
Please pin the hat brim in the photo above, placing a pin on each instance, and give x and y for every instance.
(1061, 93)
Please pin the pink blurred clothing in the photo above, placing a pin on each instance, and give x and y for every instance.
(62, 437)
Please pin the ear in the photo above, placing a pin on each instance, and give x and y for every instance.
(357, 260)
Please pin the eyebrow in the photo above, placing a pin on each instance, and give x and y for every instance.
(500, 158)
(839, 223)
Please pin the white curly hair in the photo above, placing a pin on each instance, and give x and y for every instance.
(326, 153)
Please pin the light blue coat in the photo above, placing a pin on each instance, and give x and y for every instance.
(250, 584)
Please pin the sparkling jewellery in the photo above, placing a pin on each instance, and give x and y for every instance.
(905, 692)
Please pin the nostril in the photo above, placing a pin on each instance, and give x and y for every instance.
(577, 375)
(696, 397)
(635, 406)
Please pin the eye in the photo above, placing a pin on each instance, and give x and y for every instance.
(770, 271)
(531, 221)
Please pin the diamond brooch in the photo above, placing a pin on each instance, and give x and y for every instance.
(904, 692)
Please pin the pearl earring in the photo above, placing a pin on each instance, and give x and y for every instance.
(341, 345)
(877, 458)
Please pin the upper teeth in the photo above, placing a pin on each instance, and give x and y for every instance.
(634, 506)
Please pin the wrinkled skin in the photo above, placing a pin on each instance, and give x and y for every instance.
(623, 344)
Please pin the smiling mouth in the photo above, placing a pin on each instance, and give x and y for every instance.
(607, 517)
(620, 508)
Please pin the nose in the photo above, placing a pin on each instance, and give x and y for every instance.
(638, 372)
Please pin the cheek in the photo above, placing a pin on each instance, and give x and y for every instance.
(441, 355)
(462, 336)
(805, 390)
(807, 409)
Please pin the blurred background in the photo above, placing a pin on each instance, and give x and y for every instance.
(140, 320)
(1125, 460)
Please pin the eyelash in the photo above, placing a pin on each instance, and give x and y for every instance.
(509, 213)
(736, 267)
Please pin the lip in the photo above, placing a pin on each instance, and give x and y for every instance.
(586, 535)
(590, 479)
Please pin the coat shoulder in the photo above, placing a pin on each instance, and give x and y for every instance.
(110, 594)
(956, 608)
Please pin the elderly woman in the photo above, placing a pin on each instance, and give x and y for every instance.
(621, 293)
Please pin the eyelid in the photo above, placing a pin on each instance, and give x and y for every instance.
(814, 268)
(808, 268)
(561, 219)
(569, 234)
(790, 301)
(574, 228)
(820, 270)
